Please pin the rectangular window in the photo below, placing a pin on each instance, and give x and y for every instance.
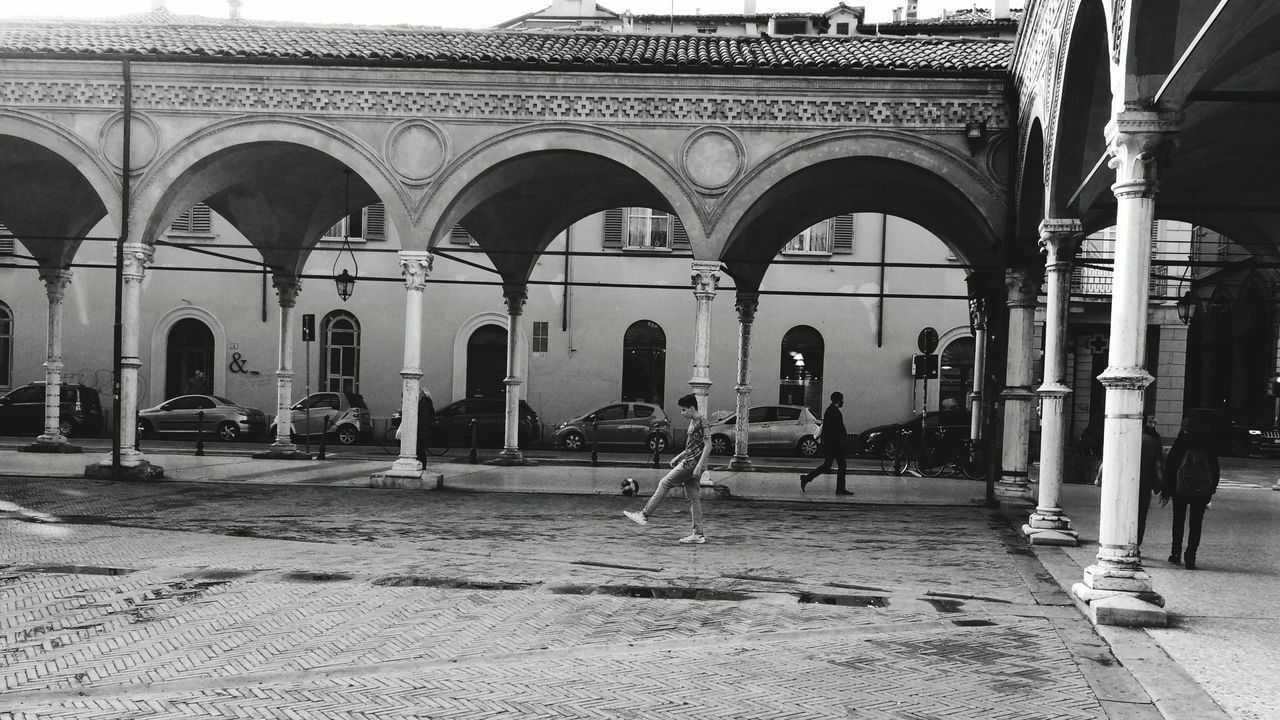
(791, 27)
(647, 230)
(541, 336)
(707, 29)
(196, 221)
(842, 28)
(815, 239)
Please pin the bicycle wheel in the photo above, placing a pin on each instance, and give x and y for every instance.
(894, 460)
(390, 445)
(974, 465)
(436, 447)
(933, 460)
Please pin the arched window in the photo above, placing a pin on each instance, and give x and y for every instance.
(955, 376)
(487, 362)
(6, 346)
(188, 367)
(644, 363)
(800, 368)
(340, 353)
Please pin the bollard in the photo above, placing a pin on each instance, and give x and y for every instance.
(595, 457)
(200, 433)
(306, 439)
(474, 441)
(657, 455)
(324, 436)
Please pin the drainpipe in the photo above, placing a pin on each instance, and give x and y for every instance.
(884, 234)
(118, 327)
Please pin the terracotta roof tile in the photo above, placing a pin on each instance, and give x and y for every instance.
(164, 35)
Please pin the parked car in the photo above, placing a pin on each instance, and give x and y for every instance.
(181, 415)
(948, 425)
(1234, 436)
(348, 417)
(80, 410)
(452, 425)
(770, 427)
(637, 424)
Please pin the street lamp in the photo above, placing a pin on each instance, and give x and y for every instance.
(1188, 307)
(346, 281)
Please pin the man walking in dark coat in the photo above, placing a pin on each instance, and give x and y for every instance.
(426, 416)
(833, 437)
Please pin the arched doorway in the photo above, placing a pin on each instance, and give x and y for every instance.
(644, 363)
(487, 362)
(800, 368)
(188, 367)
(955, 376)
(340, 353)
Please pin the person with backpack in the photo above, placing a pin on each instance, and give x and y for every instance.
(1191, 476)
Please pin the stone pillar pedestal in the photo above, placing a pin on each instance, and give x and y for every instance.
(1021, 286)
(287, 289)
(705, 276)
(747, 302)
(515, 296)
(52, 440)
(415, 266)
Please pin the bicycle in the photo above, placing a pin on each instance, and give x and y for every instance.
(436, 446)
(942, 456)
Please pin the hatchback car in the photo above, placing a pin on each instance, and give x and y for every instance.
(770, 427)
(347, 416)
(948, 424)
(637, 424)
(79, 414)
(181, 415)
(452, 425)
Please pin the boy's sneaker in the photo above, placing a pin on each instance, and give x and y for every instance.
(694, 539)
(636, 517)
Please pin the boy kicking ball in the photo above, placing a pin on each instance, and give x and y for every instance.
(687, 469)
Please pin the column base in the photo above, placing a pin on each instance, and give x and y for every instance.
(741, 462)
(282, 452)
(140, 470)
(1112, 607)
(419, 481)
(45, 444)
(512, 456)
(1050, 536)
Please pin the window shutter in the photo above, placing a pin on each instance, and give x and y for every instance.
(8, 246)
(613, 219)
(459, 236)
(375, 222)
(201, 219)
(842, 234)
(679, 237)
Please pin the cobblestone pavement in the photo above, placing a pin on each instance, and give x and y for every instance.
(184, 600)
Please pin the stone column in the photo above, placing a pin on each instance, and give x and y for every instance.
(287, 289)
(747, 302)
(1059, 241)
(979, 323)
(52, 440)
(1118, 590)
(705, 276)
(415, 266)
(1021, 287)
(514, 295)
(137, 256)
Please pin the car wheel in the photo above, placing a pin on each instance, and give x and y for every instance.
(228, 432)
(66, 427)
(721, 445)
(656, 443)
(347, 435)
(807, 447)
(144, 429)
(572, 441)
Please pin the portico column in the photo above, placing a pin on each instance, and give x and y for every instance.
(137, 256)
(747, 302)
(52, 440)
(978, 319)
(705, 277)
(1116, 587)
(287, 289)
(415, 265)
(515, 296)
(1059, 240)
(1021, 288)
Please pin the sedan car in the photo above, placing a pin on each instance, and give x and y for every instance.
(80, 410)
(344, 414)
(182, 415)
(770, 427)
(635, 424)
(452, 425)
(950, 424)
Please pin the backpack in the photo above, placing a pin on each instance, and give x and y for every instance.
(1195, 476)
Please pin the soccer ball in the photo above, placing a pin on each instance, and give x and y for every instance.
(630, 487)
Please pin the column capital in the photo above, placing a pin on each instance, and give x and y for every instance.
(55, 281)
(515, 296)
(1060, 239)
(287, 288)
(415, 266)
(747, 302)
(705, 275)
(137, 256)
(1021, 287)
(1138, 140)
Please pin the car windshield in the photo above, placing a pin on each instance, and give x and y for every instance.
(357, 401)
(222, 401)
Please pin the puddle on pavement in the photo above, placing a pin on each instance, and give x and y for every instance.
(760, 578)
(649, 592)
(315, 577)
(448, 583)
(73, 570)
(944, 605)
(874, 601)
(217, 574)
(972, 623)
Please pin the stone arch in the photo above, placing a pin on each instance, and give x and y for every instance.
(1080, 110)
(188, 171)
(160, 346)
(1030, 199)
(490, 182)
(895, 172)
(463, 335)
(946, 340)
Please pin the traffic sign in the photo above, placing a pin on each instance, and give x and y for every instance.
(928, 340)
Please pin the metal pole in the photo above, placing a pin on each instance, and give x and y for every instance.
(200, 433)
(595, 456)
(474, 441)
(118, 327)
